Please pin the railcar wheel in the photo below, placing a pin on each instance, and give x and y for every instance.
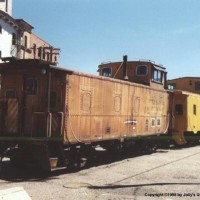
(20, 158)
(113, 146)
(80, 157)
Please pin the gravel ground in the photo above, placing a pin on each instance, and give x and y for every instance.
(166, 174)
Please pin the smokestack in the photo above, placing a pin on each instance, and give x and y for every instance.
(125, 67)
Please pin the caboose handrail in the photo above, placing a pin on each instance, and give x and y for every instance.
(49, 117)
(62, 121)
(49, 124)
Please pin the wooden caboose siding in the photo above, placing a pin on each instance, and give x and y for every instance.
(190, 84)
(27, 114)
(101, 108)
(14, 80)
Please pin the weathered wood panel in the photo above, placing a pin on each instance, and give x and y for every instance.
(105, 109)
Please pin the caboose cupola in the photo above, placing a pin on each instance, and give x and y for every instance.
(143, 72)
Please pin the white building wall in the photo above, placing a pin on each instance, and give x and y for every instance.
(6, 47)
(6, 6)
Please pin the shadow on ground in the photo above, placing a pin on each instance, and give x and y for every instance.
(101, 157)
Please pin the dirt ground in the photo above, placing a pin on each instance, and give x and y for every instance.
(166, 174)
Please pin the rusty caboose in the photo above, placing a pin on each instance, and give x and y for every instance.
(50, 112)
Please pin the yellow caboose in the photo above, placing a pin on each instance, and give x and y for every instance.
(185, 116)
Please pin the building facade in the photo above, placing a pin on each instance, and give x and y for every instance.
(10, 35)
(18, 41)
(6, 6)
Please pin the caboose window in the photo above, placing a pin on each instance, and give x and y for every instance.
(158, 122)
(10, 94)
(157, 75)
(197, 85)
(31, 86)
(172, 86)
(178, 109)
(153, 120)
(107, 71)
(194, 109)
(142, 70)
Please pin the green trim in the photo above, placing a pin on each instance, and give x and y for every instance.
(20, 138)
(150, 137)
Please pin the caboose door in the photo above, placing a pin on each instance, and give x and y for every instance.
(42, 114)
(30, 100)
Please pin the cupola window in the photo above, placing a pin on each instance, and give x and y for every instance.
(107, 71)
(171, 86)
(142, 70)
(157, 74)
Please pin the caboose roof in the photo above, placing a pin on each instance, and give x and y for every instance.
(185, 93)
(157, 66)
(30, 64)
(186, 77)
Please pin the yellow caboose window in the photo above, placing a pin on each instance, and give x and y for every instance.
(194, 109)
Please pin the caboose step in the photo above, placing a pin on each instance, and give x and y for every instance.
(53, 162)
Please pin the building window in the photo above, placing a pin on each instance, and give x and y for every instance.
(0, 29)
(34, 49)
(13, 39)
(48, 56)
(107, 71)
(171, 86)
(25, 41)
(197, 85)
(194, 109)
(157, 75)
(44, 54)
(142, 70)
(178, 109)
(39, 52)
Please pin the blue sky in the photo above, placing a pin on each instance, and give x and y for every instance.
(89, 32)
